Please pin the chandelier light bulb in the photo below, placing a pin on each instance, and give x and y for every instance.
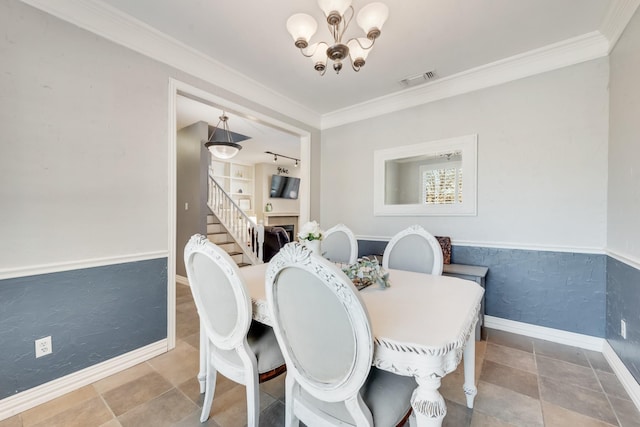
(372, 17)
(319, 56)
(301, 27)
(357, 52)
(334, 9)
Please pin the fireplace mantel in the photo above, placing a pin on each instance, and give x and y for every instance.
(274, 214)
(282, 218)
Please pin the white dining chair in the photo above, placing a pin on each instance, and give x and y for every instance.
(325, 334)
(339, 244)
(414, 249)
(244, 351)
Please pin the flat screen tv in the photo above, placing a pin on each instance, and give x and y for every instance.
(284, 187)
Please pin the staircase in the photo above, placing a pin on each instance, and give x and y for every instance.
(216, 233)
(231, 228)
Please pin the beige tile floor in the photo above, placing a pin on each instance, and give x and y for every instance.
(521, 382)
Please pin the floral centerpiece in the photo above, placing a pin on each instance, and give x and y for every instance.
(366, 272)
(310, 236)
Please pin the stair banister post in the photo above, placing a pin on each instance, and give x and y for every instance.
(260, 230)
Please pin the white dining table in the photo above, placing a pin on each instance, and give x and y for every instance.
(423, 327)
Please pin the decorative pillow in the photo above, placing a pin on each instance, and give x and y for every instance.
(445, 244)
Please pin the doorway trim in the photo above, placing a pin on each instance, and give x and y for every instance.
(176, 88)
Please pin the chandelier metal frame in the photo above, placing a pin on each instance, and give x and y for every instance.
(371, 18)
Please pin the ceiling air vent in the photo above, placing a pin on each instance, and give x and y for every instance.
(418, 79)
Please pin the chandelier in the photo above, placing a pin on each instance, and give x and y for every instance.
(339, 14)
(223, 148)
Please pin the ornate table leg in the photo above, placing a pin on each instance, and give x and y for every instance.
(202, 373)
(469, 359)
(427, 402)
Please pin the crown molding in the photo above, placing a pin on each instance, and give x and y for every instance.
(110, 23)
(100, 18)
(616, 20)
(558, 55)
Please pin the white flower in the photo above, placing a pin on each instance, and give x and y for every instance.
(310, 231)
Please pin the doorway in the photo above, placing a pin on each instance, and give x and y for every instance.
(177, 88)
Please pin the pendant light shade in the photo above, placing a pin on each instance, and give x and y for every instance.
(301, 27)
(336, 6)
(372, 17)
(223, 151)
(220, 143)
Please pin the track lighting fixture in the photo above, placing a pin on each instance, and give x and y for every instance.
(276, 155)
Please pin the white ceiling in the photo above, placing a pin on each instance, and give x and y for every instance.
(243, 46)
(448, 36)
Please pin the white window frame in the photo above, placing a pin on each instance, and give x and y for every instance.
(456, 166)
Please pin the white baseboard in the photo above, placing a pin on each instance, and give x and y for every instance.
(182, 280)
(549, 334)
(628, 381)
(577, 340)
(28, 399)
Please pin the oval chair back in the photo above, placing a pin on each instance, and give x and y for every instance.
(414, 249)
(324, 331)
(225, 312)
(339, 244)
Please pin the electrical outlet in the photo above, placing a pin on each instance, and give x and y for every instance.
(623, 328)
(43, 346)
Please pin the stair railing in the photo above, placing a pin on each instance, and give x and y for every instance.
(247, 234)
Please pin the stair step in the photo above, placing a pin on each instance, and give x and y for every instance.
(217, 234)
(220, 238)
(225, 244)
(228, 246)
(214, 228)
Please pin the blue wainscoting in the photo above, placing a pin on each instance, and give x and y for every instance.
(623, 302)
(92, 314)
(558, 290)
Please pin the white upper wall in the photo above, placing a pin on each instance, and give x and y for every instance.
(542, 162)
(84, 163)
(623, 235)
(84, 153)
